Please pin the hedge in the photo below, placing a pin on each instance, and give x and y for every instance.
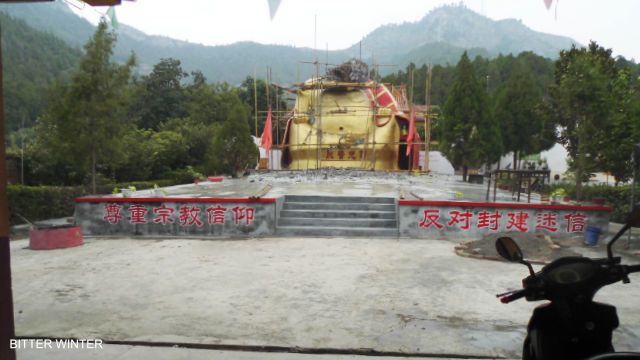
(47, 202)
(618, 197)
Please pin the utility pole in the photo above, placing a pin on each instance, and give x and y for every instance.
(412, 155)
(255, 100)
(268, 84)
(22, 149)
(277, 117)
(427, 121)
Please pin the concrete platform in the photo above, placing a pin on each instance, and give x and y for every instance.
(336, 182)
(414, 296)
(424, 206)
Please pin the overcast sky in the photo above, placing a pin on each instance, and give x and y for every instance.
(342, 23)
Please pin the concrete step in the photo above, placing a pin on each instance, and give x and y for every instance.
(342, 214)
(342, 223)
(337, 216)
(338, 206)
(306, 231)
(338, 199)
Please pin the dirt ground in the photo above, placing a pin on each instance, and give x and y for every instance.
(541, 249)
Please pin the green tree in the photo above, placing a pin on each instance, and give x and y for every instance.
(517, 110)
(139, 159)
(198, 138)
(169, 152)
(161, 95)
(85, 121)
(581, 103)
(32, 60)
(470, 136)
(247, 95)
(233, 150)
(622, 131)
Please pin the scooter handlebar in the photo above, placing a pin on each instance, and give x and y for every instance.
(513, 296)
(633, 268)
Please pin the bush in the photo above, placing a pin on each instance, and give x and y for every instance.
(37, 203)
(618, 197)
(183, 176)
(233, 150)
(41, 202)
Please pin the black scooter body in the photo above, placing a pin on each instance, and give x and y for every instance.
(571, 326)
(554, 332)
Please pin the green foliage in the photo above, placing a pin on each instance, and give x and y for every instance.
(139, 160)
(31, 62)
(183, 176)
(517, 109)
(181, 115)
(247, 94)
(197, 137)
(233, 150)
(85, 122)
(618, 136)
(618, 197)
(500, 78)
(470, 136)
(47, 202)
(41, 202)
(160, 95)
(590, 101)
(169, 151)
(173, 149)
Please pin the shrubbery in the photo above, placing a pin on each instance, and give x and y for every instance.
(618, 197)
(46, 202)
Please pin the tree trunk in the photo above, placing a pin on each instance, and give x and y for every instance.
(580, 168)
(579, 171)
(93, 169)
(465, 170)
(578, 183)
(515, 160)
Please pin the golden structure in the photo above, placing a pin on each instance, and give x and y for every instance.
(347, 125)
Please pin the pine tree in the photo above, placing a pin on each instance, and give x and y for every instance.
(233, 149)
(85, 120)
(470, 136)
(516, 110)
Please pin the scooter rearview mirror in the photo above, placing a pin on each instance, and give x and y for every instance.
(508, 249)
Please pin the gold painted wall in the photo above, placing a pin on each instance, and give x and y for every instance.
(346, 129)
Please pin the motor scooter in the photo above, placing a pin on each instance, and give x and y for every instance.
(571, 325)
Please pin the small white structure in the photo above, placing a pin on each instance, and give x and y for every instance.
(274, 157)
(438, 164)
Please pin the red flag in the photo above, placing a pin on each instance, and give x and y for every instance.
(416, 151)
(266, 140)
(412, 130)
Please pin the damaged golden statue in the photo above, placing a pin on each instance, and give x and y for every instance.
(345, 120)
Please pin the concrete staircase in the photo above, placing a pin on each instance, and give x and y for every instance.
(338, 216)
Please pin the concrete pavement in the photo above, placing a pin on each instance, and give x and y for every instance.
(128, 352)
(409, 295)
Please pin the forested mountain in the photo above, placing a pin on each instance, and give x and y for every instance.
(439, 38)
(457, 26)
(32, 60)
(169, 122)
